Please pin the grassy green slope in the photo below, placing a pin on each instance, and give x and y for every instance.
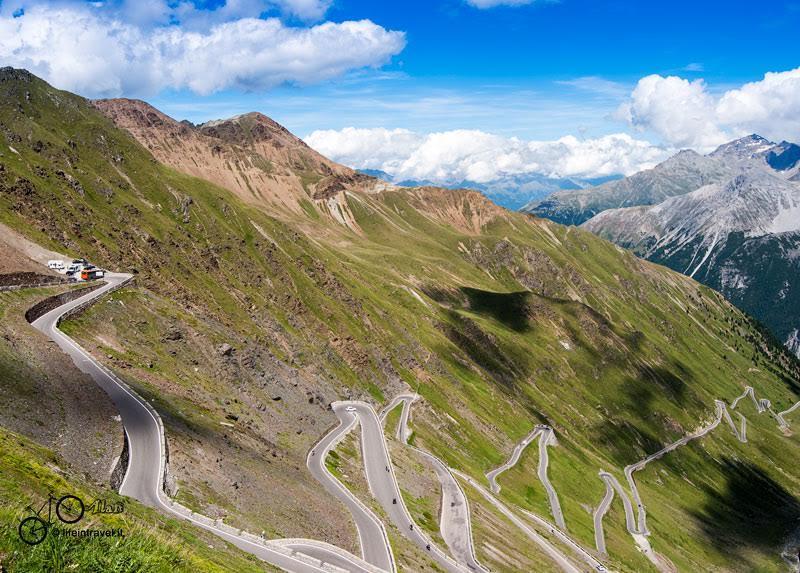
(151, 542)
(500, 320)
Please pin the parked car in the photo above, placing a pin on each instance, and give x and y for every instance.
(55, 265)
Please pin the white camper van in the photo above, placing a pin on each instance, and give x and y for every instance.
(55, 265)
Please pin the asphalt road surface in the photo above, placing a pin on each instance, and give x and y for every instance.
(383, 484)
(512, 461)
(455, 524)
(546, 437)
(375, 547)
(548, 548)
(780, 416)
(457, 520)
(638, 527)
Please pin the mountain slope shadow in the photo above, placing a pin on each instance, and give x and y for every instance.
(751, 513)
(508, 308)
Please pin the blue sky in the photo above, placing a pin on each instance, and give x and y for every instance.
(734, 40)
(502, 69)
(439, 88)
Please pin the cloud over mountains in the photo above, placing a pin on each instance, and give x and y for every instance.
(673, 112)
(96, 50)
(473, 155)
(687, 113)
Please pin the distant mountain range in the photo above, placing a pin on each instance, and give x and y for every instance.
(511, 191)
(730, 219)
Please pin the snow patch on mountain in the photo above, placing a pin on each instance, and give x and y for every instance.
(782, 157)
(745, 148)
(732, 278)
(793, 342)
(787, 220)
(732, 222)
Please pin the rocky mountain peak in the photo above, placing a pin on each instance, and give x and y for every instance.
(251, 155)
(134, 115)
(252, 127)
(8, 74)
(781, 156)
(747, 147)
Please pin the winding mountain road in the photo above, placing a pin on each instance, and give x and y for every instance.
(512, 461)
(612, 485)
(383, 483)
(780, 416)
(455, 524)
(547, 437)
(375, 546)
(549, 549)
(631, 469)
(638, 527)
(144, 476)
(559, 558)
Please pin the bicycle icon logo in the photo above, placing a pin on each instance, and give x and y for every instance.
(69, 509)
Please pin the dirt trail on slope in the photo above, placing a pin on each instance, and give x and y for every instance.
(18, 254)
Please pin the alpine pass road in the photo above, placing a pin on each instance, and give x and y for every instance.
(382, 481)
(639, 531)
(455, 524)
(142, 434)
(456, 519)
(375, 546)
(547, 437)
(144, 478)
(146, 458)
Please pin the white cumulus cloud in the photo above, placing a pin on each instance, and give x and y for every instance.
(457, 155)
(688, 113)
(97, 52)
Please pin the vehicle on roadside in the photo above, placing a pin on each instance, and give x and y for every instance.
(350, 409)
(55, 265)
(92, 274)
